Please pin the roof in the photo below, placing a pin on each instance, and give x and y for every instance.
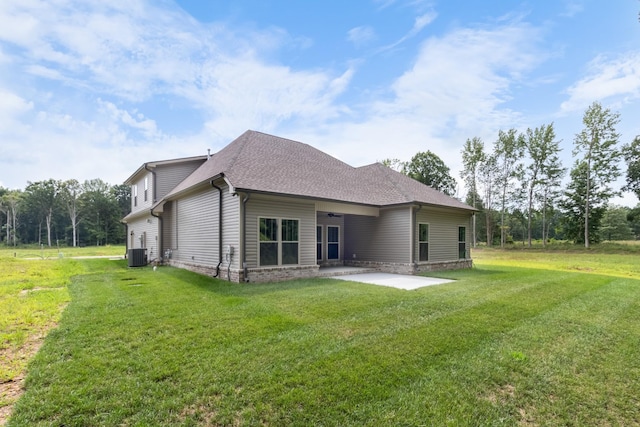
(258, 162)
(154, 164)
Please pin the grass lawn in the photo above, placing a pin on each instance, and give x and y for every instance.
(524, 338)
(45, 252)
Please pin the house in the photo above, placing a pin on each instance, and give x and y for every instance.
(150, 183)
(266, 208)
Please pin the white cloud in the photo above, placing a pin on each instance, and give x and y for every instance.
(615, 80)
(360, 36)
(455, 90)
(12, 104)
(146, 126)
(120, 57)
(572, 8)
(113, 56)
(420, 22)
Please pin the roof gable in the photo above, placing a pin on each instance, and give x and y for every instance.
(152, 165)
(265, 163)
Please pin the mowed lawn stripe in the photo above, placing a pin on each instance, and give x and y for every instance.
(496, 347)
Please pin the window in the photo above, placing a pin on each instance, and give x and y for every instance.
(462, 242)
(134, 190)
(319, 243)
(279, 241)
(289, 241)
(333, 242)
(268, 241)
(423, 241)
(146, 188)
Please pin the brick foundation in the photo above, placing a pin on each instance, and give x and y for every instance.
(402, 268)
(278, 274)
(446, 265)
(234, 274)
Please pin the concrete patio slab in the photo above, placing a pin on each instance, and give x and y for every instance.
(398, 281)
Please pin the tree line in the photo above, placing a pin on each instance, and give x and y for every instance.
(55, 212)
(517, 183)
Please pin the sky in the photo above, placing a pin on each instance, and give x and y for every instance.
(93, 89)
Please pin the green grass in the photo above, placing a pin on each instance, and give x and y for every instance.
(529, 341)
(45, 252)
(32, 297)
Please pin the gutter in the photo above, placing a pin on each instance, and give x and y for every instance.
(244, 237)
(413, 243)
(126, 239)
(153, 183)
(160, 229)
(219, 227)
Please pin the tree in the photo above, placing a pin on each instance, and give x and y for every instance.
(615, 225)
(10, 203)
(574, 207)
(631, 154)
(472, 157)
(542, 151)
(550, 180)
(70, 192)
(4, 211)
(429, 169)
(101, 213)
(395, 164)
(122, 195)
(633, 216)
(479, 218)
(487, 176)
(509, 150)
(597, 144)
(41, 196)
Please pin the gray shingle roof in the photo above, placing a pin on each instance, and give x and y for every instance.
(265, 163)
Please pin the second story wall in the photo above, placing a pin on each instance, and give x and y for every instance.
(155, 180)
(142, 192)
(170, 175)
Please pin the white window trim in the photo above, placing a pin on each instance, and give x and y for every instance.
(279, 241)
(339, 242)
(425, 241)
(322, 246)
(466, 245)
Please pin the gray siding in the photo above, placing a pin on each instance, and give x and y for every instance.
(168, 226)
(287, 208)
(360, 238)
(197, 229)
(169, 176)
(443, 232)
(324, 220)
(191, 227)
(147, 226)
(386, 238)
(141, 203)
(230, 223)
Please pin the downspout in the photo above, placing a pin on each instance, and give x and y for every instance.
(159, 234)
(219, 228)
(413, 242)
(153, 182)
(126, 240)
(244, 237)
(154, 199)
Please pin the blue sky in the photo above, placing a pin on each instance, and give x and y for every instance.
(92, 89)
